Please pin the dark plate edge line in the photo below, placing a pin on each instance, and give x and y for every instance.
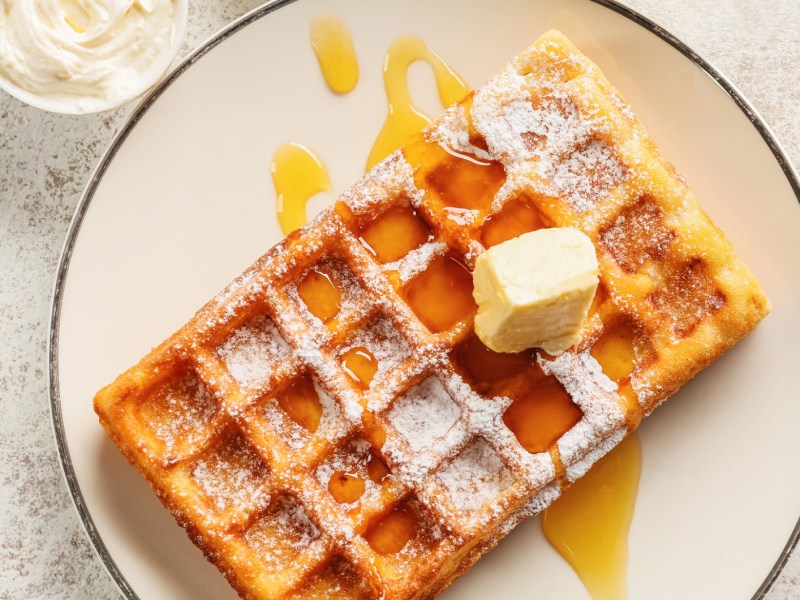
(74, 228)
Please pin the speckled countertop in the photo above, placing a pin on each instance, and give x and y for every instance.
(45, 161)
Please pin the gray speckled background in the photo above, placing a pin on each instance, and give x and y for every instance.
(45, 161)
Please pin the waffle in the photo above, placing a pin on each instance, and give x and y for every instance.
(330, 426)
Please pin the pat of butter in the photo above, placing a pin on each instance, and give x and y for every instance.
(534, 291)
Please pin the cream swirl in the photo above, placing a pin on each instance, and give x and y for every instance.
(85, 53)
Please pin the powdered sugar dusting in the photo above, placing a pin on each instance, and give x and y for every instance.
(475, 476)
(578, 469)
(179, 412)
(344, 281)
(232, 475)
(623, 106)
(416, 261)
(424, 414)
(549, 130)
(489, 115)
(293, 434)
(253, 351)
(283, 532)
(452, 130)
(594, 393)
(389, 180)
(587, 176)
(385, 343)
(637, 234)
(540, 134)
(546, 496)
(485, 414)
(352, 458)
(520, 127)
(329, 372)
(296, 436)
(485, 417)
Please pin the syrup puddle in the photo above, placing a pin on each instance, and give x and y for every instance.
(333, 46)
(404, 119)
(297, 174)
(589, 523)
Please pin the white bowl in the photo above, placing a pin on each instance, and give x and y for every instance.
(94, 105)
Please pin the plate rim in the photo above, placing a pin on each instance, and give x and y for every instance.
(67, 469)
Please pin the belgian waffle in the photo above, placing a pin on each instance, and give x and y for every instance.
(329, 425)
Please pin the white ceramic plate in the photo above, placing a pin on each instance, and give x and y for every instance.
(183, 202)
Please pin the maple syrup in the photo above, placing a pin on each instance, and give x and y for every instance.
(476, 138)
(336, 55)
(459, 181)
(403, 118)
(485, 368)
(297, 174)
(617, 356)
(589, 524)
(395, 233)
(345, 487)
(377, 470)
(615, 352)
(541, 410)
(360, 365)
(393, 531)
(516, 218)
(301, 402)
(542, 413)
(442, 294)
(320, 295)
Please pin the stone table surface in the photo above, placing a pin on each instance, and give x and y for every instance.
(45, 161)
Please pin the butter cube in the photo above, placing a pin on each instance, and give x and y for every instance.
(534, 291)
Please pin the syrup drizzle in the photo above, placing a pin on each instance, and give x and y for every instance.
(360, 365)
(345, 487)
(333, 47)
(297, 174)
(589, 523)
(393, 532)
(403, 118)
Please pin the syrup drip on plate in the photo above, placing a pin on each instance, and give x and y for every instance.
(404, 119)
(297, 174)
(589, 523)
(333, 46)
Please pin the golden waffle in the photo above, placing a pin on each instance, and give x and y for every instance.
(329, 425)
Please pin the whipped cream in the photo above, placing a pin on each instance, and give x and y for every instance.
(86, 54)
